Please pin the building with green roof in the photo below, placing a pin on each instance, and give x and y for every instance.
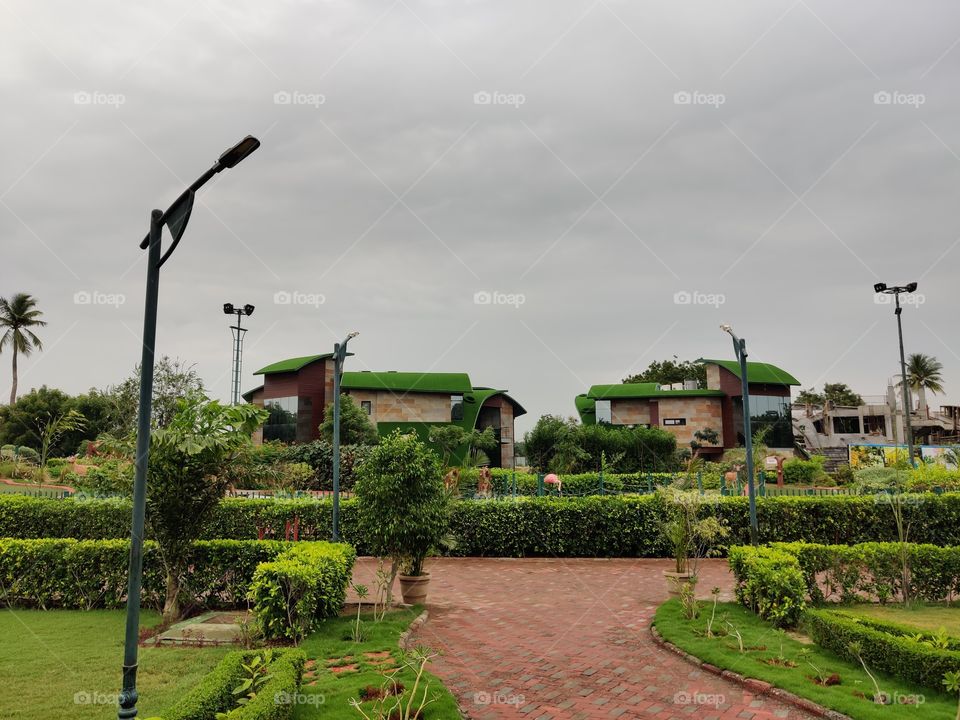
(296, 392)
(684, 408)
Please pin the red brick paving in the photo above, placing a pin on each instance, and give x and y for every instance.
(569, 639)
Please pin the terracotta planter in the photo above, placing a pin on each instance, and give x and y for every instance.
(413, 588)
(675, 580)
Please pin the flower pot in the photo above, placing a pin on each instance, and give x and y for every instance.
(413, 588)
(675, 580)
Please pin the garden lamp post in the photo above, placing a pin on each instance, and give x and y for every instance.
(740, 348)
(238, 333)
(175, 218)
(881, 288)
(339, 355)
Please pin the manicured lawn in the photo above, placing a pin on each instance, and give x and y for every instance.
(56, 663)
(724, 653)
(920, 616)
(331, 646)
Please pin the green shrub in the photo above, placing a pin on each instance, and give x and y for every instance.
(305, 583)
(111, 477)
(804, 472)
(927, 477)
(770, 583)
(882, 647)
(215, 692)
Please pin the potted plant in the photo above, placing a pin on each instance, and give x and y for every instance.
(403, 510)
(689, 536)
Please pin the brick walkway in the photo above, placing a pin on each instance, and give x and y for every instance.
(551, 639)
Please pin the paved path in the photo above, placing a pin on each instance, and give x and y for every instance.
(569, 639)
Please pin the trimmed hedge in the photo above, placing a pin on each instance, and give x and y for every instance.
(609, 526)
(88, 574)
(304, 584)
(215, 692)
(884, 647)
(770, 583)
(869, 571)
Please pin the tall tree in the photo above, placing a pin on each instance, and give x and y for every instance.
(17, 316)
(355, 425)
(666, 372)
(173, 381)
(837, 394)
(924, 372)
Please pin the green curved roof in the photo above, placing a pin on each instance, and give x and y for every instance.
(291, 364)
(758, 372)
(455, 383)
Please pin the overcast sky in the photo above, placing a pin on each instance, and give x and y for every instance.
(546, 195)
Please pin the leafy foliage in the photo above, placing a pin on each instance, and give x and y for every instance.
(770, 583)
(355, 425)
(837, 394)
(173, 382)
(667, 372)
(18, 315)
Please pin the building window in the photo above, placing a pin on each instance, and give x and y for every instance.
(768, 411)
(282, 423)
(674, 421)
(846, 425)
(602, 411)
(875, 424)
(366, 406)
(456, 408)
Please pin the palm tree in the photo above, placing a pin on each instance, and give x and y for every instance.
(924, 373)
(17, 316)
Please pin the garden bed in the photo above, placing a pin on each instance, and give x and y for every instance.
(791, 662)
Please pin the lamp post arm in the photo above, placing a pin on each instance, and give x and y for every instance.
(196, 185)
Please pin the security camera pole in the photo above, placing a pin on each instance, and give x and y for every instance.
(740, 348)
(895, 291)
(175, 218)
(339, 355)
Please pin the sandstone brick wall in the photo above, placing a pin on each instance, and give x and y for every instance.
(633, 411)
(700, 413)
(386, 406)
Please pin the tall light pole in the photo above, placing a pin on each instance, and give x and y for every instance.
(740, 348)
(881, 288)
(339, 355)
(238, 333)
(175, 218)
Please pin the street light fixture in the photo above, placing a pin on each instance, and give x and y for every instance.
(339, 355)
(881, 288)
(175, 218)
(238, 332)
(740, 348)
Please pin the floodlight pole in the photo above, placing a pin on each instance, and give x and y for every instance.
(740, 348)
(905, 388)
(238, 334)
(175, 217)
(339, 355)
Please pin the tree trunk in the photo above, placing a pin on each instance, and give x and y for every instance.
(13, 388)
(922, 402)
(171, 605)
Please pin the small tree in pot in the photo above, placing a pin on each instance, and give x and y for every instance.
(690, 536)
(403, 509)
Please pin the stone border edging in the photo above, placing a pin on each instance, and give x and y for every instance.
(759, 687)
(417, 623)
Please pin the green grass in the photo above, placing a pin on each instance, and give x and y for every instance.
(332, 645)
(724, 653)
(49, 659)
(921, 616)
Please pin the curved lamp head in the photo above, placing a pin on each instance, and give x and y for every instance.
(238, 152)
(352, 335)
(726, 328)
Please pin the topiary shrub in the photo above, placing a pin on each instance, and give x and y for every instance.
(769, 582)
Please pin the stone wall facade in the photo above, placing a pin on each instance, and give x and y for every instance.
(701, 413)
(630, 411)
(386, 406)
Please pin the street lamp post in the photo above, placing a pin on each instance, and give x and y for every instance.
(881, 288)
(175, 218)
(339, 355)
(238, 333)
(740, 348)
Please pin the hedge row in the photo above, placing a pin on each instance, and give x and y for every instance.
(88, 574)
(617, 526)
(884, 647)
(875, 571)
(770, 583)
(214, 694)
